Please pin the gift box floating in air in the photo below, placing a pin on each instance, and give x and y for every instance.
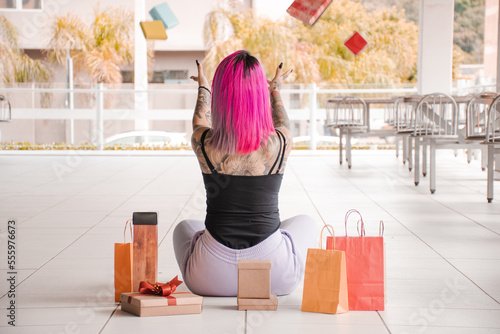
(163, 13)
(356, 43)
(154, 30)
(308, 11)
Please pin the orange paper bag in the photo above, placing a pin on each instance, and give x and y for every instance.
(123, 265)
(365, 267)
(325, 281)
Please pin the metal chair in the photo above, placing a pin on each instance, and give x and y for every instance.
(404, 110)
(476, 119)
(5, 109)
(348, 114)
(436, 121)
(390, 119)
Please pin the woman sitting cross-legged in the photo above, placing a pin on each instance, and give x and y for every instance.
(241, 137)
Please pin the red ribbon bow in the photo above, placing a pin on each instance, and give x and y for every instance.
(160, 289)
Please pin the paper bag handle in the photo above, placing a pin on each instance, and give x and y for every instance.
(381, 228)
(129, 224)
(321, 236)
(360, 233)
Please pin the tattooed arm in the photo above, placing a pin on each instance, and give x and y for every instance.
(280, 117)
(201, 121)
(202, 117)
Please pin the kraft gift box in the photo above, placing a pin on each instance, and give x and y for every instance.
(177, 303)
(254, 279)
(270, 304)
(153, 30)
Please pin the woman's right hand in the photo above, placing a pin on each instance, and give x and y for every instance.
(201, 79)
(276, 83)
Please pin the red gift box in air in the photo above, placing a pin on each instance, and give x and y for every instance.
(308, 11)
(356, 43)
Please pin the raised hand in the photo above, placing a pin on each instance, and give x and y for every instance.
(276, 83)
(201, 79)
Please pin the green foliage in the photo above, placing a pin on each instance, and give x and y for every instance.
(462, 5)
(410, 7)
(469, 29)
(468, 24)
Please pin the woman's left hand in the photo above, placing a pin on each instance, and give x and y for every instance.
(276, 83)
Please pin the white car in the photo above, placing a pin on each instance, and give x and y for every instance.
(147, 138)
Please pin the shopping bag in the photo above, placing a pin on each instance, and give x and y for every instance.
(124, 265)
(365, 266)
(325, 281)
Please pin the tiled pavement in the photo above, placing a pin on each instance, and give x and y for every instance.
(442, 250)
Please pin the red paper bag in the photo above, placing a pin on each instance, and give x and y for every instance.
(123, 265)
(325, 281)
(365, 267)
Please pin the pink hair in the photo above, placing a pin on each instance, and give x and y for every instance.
(241, 107)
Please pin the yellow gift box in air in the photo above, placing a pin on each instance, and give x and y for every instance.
(153, 30)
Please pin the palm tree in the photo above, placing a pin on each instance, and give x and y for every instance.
(15, 65)
(98, 50)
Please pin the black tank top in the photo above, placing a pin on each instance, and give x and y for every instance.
(242, 210)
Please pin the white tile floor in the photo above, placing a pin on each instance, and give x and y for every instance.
(442, 250)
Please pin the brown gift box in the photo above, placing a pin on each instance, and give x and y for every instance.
(145, 261)
(258, 303)
(153, 30)
(254, 279)
(151, 305)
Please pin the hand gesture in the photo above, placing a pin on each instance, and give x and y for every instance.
(276, 83)
(201, 79)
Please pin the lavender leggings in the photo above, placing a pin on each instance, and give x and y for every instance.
(211, 269)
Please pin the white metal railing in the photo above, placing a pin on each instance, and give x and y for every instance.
(101, 103)
(5, 109)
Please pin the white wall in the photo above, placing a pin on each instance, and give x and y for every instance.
(188, 34)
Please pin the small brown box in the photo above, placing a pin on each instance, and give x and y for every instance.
(153, 30)
(254, 279)
(177, 303)
(270, 304)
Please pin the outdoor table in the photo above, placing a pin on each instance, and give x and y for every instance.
(369, 101)
(375, 100)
